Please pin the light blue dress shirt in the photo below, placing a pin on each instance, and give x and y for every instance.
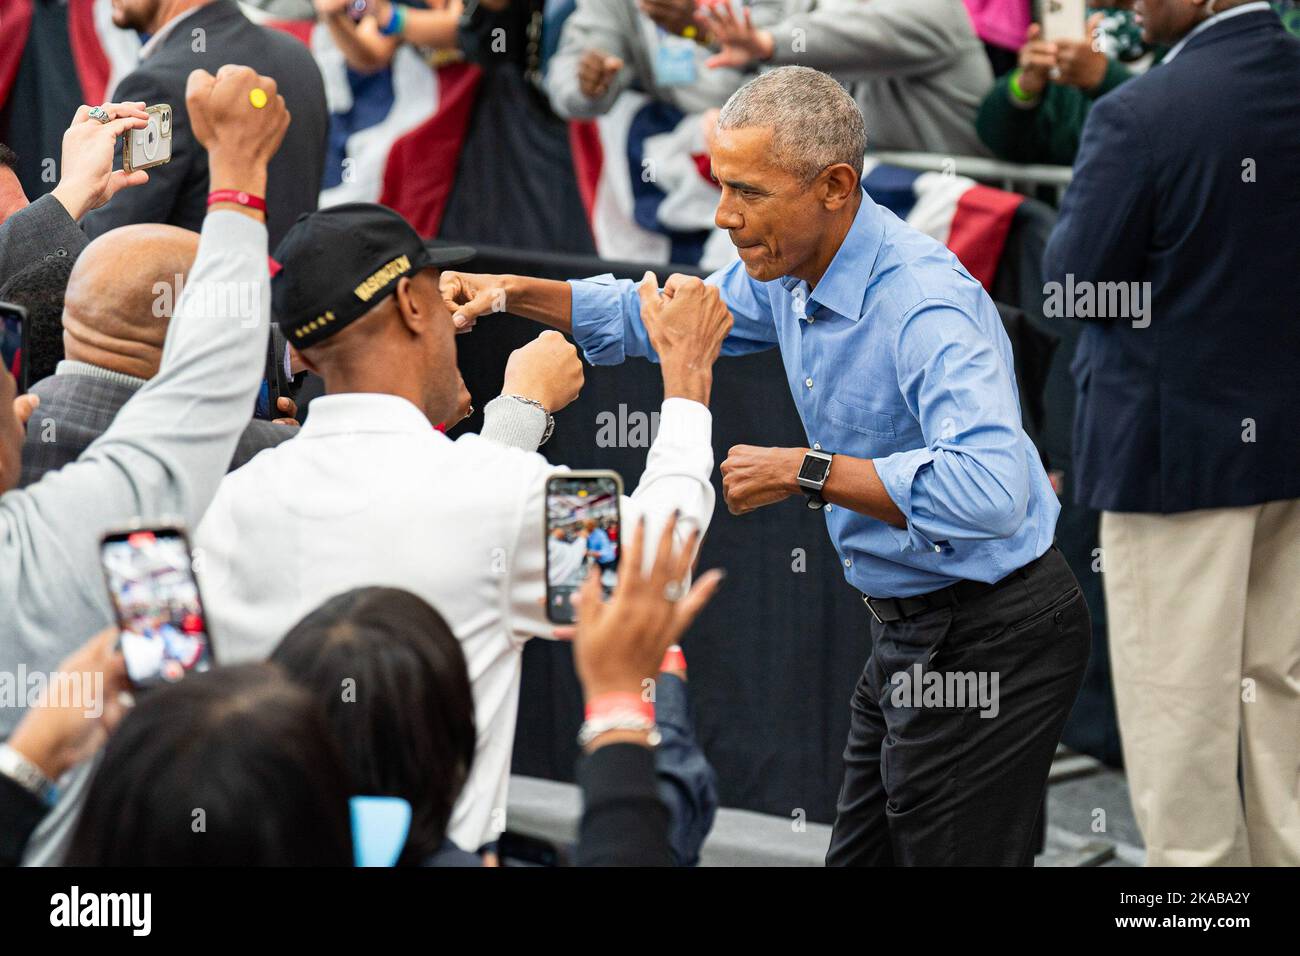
(898, 355)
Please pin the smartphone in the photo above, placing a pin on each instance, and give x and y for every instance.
(582, 532)
(14, 331)
(156, 598)
(151, 146)
(1064, 19)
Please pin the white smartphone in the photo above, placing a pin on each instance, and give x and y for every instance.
(1064, 19)
(151, 146)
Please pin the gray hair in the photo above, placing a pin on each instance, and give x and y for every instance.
(814, 121)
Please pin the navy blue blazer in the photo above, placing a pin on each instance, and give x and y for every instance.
(1188, 178)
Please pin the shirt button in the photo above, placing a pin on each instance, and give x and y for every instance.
(830, 507)
(937, 548)
(817, 446)
(808, 382)
(848, 562)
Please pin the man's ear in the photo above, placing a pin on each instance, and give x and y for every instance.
(414, 315)
(839, 183)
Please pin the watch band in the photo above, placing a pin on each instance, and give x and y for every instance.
(27, 775)
(550, 419)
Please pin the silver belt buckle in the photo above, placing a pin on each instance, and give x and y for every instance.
(867, 601)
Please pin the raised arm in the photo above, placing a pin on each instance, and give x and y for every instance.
(49, 225)
(169, 446)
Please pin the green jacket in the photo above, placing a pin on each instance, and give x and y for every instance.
(1047, 132)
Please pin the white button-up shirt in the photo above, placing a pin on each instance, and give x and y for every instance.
(368, 493)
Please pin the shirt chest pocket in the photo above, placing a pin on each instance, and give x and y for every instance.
(862, 420)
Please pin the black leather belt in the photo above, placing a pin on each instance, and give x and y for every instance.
(887, 610)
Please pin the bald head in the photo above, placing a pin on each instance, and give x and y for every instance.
(121, 296)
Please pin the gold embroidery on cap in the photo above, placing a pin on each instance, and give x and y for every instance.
(382, 277)
(317, 323)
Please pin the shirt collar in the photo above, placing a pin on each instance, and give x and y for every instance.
(353, 412)
(156, 40)
(70, 367)
(843, 286)
(1210, 21)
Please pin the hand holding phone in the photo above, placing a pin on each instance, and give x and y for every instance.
(156, 598)
(1064, 19)
(582, 533)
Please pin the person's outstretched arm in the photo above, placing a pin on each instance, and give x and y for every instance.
(169, 446)
(617, 647)
(603, 314)
(49, 225)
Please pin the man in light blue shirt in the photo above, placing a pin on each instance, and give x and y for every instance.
(934, 496)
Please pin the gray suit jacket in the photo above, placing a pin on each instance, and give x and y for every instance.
(80, 402)
(35, 232)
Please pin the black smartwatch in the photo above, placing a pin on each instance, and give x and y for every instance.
(814, 471)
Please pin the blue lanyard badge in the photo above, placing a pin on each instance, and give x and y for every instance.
(675, 60)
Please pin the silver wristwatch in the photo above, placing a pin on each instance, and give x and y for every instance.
(813, 472)
(550, 419)
(27, 775)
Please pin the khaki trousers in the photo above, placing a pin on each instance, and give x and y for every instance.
(1203, 610)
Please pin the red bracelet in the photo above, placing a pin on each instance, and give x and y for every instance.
(237, 196)
(674, 660)
(619, 701)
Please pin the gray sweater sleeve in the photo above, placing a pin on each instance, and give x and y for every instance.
(512, 423)
(594, 25)
(861, 38)
(161, 459)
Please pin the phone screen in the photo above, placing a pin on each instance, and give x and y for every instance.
(582, 532)
(152, 586)
(12, 325)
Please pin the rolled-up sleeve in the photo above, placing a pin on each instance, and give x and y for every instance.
(606, 316)
(607, 320)
(971, 479)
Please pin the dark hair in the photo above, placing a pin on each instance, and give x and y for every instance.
(8, 158)
(234, 767)
(39, 288)
(397, 695)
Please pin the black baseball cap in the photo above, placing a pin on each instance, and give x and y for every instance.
(337, 263)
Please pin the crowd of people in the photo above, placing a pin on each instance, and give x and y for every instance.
(197, 345)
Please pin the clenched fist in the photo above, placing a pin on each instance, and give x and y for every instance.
(596, 70)
(686, 324)
(226, 120)
(753, 477)
(547, 370)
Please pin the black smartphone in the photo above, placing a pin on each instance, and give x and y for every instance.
(156, 598)
(14, 332)
(582, 532)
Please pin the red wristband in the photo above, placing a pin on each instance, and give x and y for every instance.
(618, 701)
(674, 660)
(238, 197)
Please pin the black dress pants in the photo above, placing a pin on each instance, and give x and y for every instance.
(954, 724)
